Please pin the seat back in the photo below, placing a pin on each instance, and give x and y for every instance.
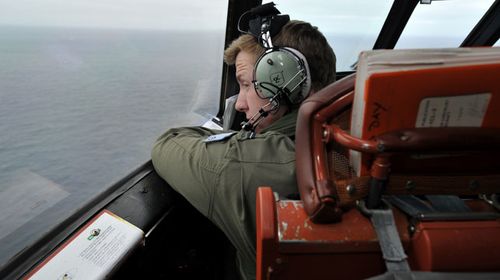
(457, 161)
(321, 236)
(316, 187)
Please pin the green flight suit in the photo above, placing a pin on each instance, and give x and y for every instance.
(221, 178)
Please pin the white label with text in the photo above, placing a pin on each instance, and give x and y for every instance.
(453, 111)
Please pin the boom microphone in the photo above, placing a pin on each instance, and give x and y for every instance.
(255, 120)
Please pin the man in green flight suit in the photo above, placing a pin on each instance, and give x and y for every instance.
(219, 173)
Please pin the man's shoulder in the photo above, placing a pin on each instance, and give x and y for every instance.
(268, 138)
(271, 146)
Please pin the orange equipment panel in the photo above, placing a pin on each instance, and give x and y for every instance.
(290, 246)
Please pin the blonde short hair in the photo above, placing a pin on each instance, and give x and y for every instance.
(245, 42)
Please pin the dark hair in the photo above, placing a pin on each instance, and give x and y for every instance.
(308, 40)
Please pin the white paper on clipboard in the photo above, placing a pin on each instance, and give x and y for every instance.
(93, 252)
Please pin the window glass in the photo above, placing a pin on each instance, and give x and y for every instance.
(86, 86)
(349, 26)
(442, 23)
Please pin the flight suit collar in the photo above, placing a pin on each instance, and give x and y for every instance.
(285, 124)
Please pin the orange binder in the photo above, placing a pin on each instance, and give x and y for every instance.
(457, 91)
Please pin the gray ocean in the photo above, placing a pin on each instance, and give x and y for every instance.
(81, 108)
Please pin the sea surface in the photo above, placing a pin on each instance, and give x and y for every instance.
(81, 108)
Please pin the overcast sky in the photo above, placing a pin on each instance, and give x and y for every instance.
(130, 14)
(337, 16)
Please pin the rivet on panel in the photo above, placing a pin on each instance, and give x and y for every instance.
(404, 137)
(410, 185)
(351, 189)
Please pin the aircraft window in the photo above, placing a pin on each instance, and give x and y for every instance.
(442, 23)
(86, 86)
(349, 26)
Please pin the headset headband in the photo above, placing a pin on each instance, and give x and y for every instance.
(261, 20)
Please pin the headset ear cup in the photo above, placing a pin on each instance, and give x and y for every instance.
(306, 84)
(282, 70)
(259, 74)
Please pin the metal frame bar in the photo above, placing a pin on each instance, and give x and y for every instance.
(487, 30)
(394, 24)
